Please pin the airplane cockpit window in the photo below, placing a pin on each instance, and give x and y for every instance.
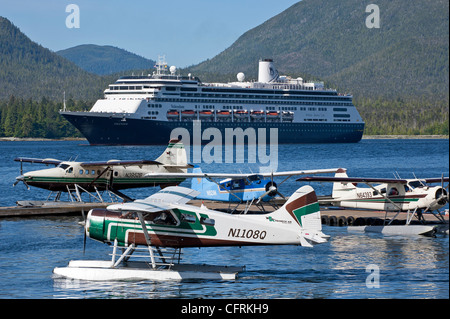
(63, 166)
(253, 178)
(157, 218)
(129, 215)
(70, 170)
(415, 184)
(161, 218)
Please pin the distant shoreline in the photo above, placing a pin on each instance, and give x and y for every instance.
(404, 137)
(365, 137)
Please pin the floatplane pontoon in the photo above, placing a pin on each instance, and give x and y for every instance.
(163, 223)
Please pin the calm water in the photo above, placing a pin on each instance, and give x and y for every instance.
(410, 267)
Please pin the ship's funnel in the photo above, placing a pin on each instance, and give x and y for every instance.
(267, 72)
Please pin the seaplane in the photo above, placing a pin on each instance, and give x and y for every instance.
(112, 175)
(238, 187)
(414, 196)
(153, 231)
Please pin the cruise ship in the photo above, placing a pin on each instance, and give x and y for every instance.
(148, 109)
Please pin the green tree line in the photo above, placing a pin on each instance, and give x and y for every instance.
(39, 119)
(421, 116)
(21, 117)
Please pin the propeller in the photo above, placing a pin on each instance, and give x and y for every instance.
(441, 193)
(84, 230)
(271, 190)
(441, 196)
(21, 178)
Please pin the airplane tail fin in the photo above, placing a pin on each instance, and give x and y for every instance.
(341, 189)
(174, 155)
(303, 208)
(196, 183)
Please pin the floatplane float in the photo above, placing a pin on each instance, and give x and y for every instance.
(413, 196)
(159, 226)
(93, 177)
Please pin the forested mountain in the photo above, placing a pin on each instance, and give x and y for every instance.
(29, 70)
(105, 59)
(407, 56)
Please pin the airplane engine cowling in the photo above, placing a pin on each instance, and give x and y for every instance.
(270, 184)
(441, 196)
(95, 224)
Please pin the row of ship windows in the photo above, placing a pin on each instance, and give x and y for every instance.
(265, 97)
(287, 108)
(251, 96)
(254, 102)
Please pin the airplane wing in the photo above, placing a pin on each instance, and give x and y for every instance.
(241, 175)
(47, 161)
(435, 180)
(173, 195)
(351, 180)
(162, 200)
(121, 163)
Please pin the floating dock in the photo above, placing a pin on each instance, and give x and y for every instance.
(44, 208)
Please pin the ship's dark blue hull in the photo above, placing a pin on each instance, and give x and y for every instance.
(100, 130)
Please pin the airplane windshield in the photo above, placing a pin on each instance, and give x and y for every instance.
(415, 184)
(252, 178)
(63, 166)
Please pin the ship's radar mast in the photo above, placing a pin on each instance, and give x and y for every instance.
(161, 65)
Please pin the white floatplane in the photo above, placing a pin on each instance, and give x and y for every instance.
(163, 223)
(414, 196)
(113, 175)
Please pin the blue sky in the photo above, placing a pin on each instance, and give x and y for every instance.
(186, 32)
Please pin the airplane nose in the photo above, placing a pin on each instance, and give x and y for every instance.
(441, 196)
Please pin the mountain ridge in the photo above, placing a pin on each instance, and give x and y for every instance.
(327, 39)
(29, 70)
(105, 59)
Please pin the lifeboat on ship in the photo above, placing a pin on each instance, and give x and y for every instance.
(206, 114)
(257, 114)
(173, 114)
(223, 114)
(188, 113)
(240, 114)
(273, 114)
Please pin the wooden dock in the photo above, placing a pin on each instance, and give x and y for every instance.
(50, 209)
